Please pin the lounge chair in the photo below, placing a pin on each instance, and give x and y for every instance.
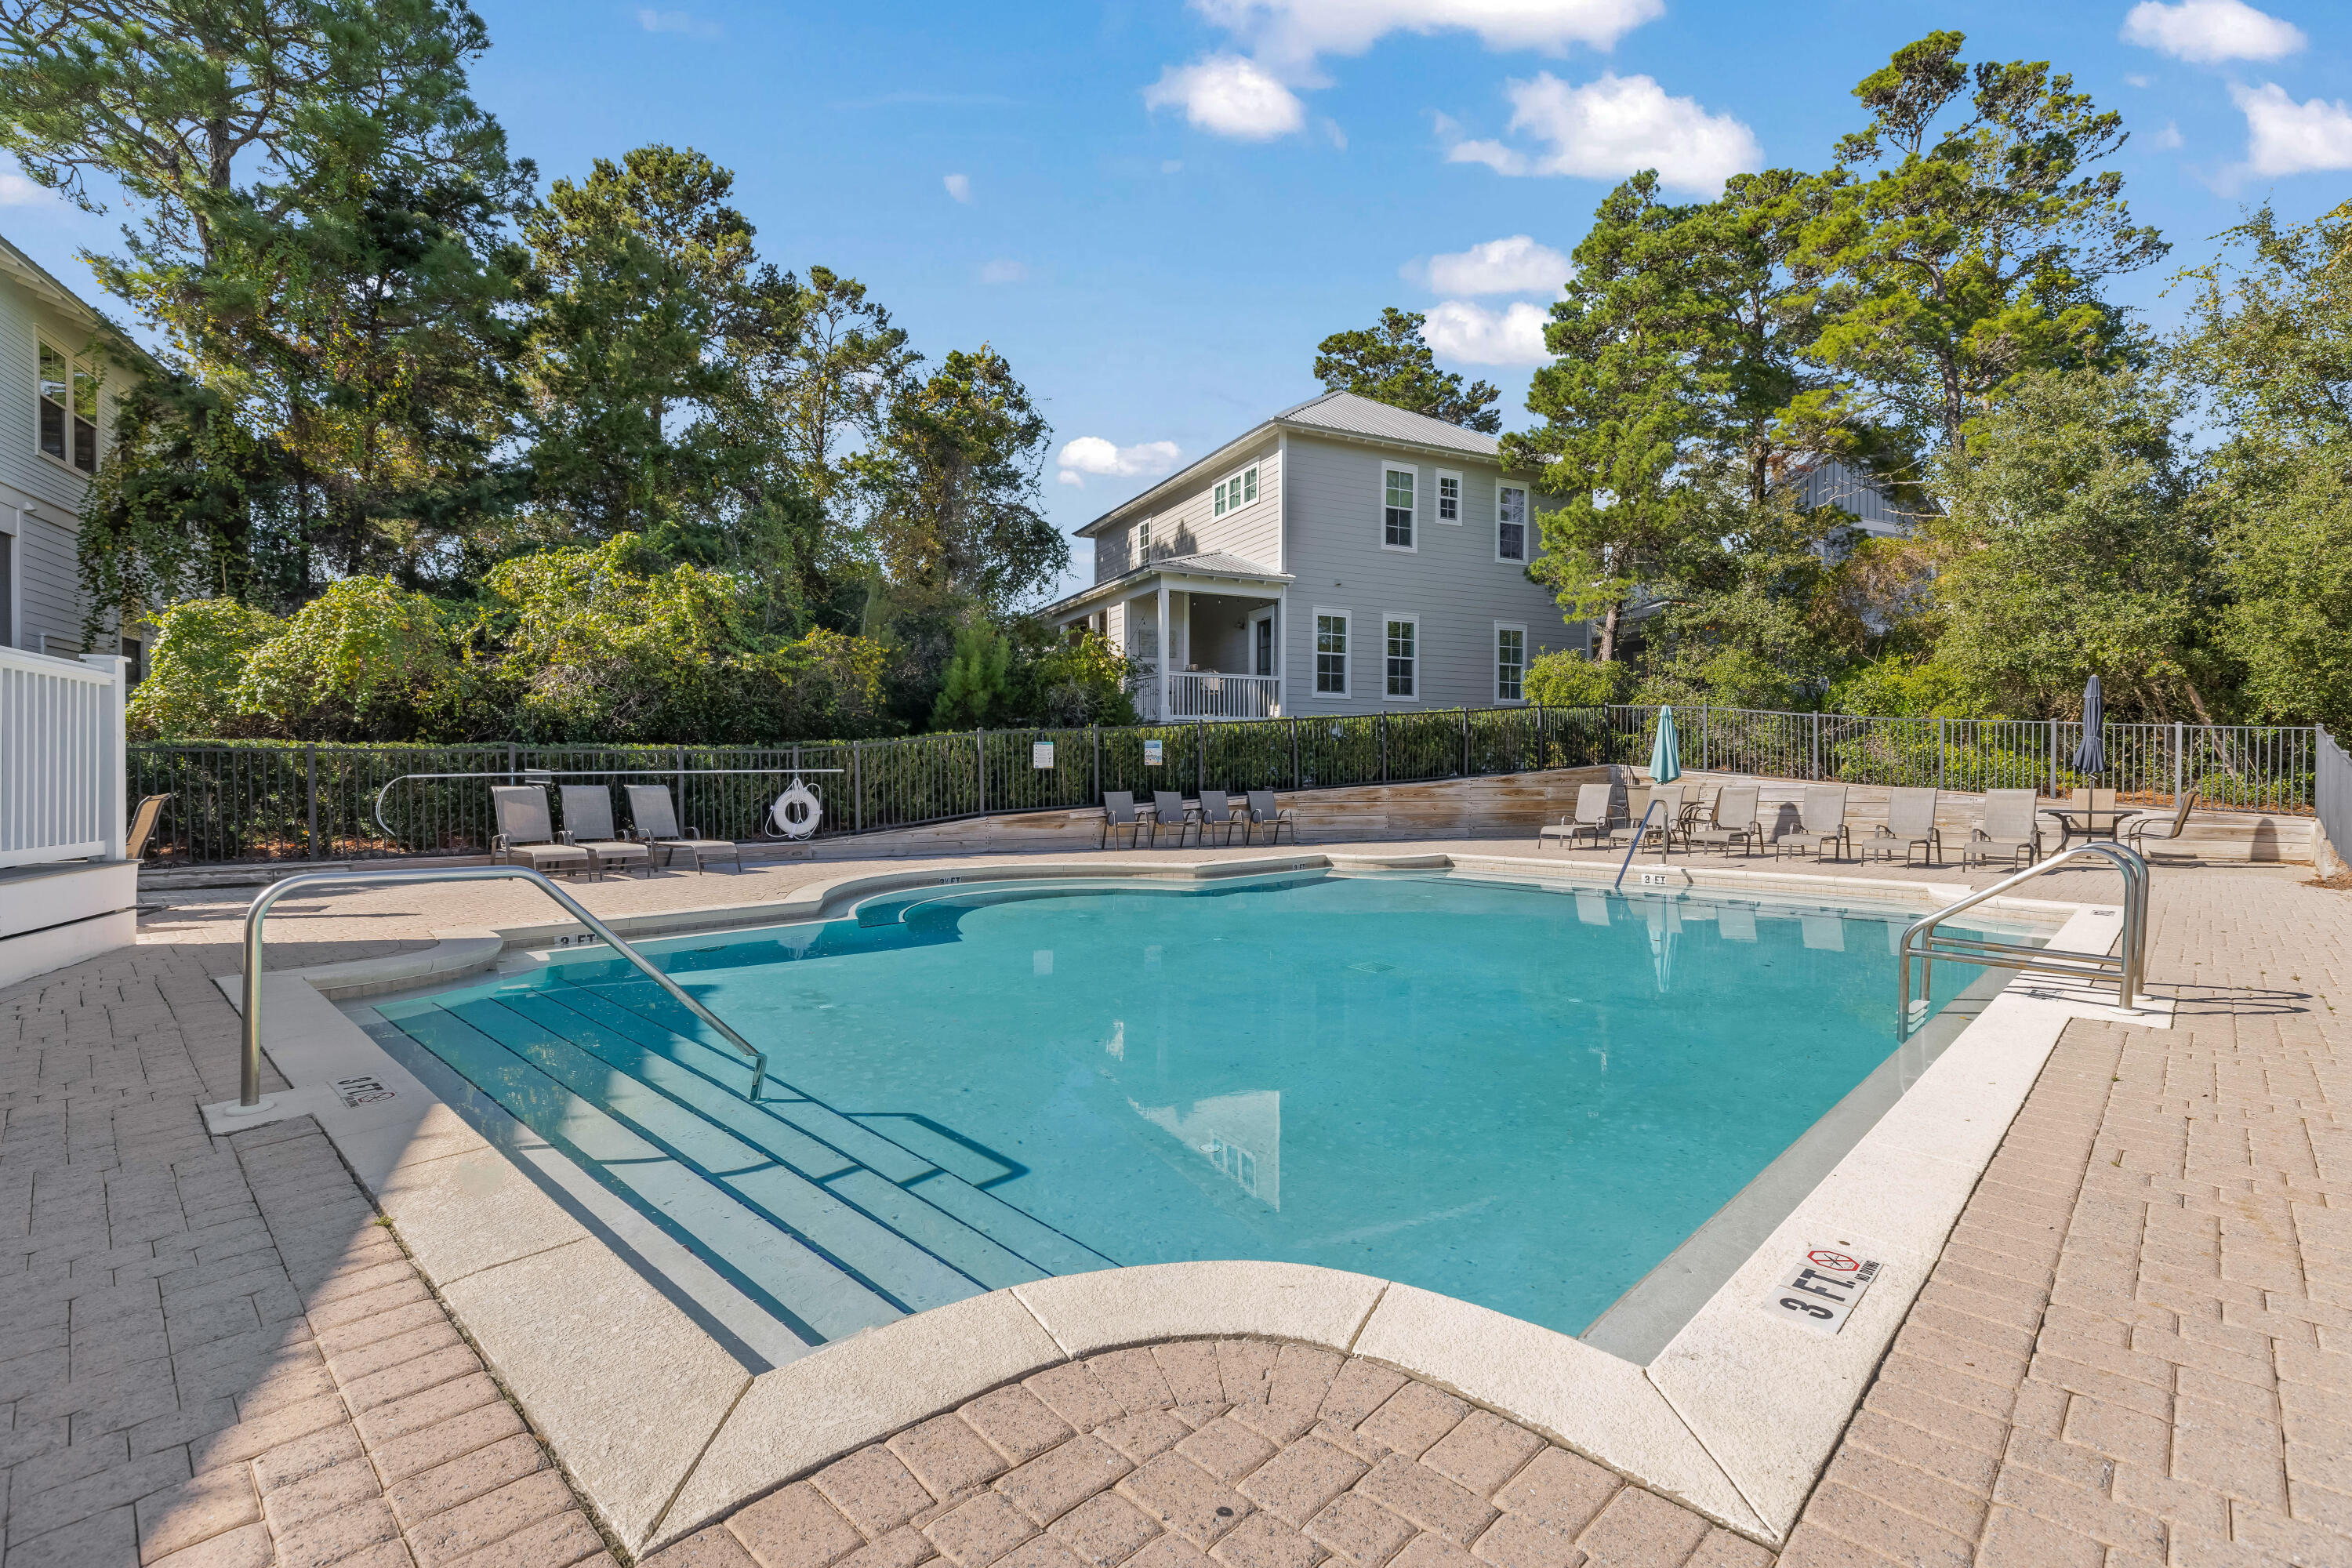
(1733, 821)
(526, 835)
(2140, 831)
(1216, 810)
(1118, 810)
(1593, 817)
(1263, 813)
(1661, 827)
(1910, 825)
(142, 826)
(1820, 821)
(2009, 830)
(588, 824)
(1168, 810)
(655, 819)
(2093, 798)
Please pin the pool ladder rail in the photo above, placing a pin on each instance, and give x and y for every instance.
(248, 1097)
(2125, 969)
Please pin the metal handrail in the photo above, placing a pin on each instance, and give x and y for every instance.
(248, 1094)
(2127, 971)
(1641, 831)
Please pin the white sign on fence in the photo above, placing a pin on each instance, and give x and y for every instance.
(1041, 756)
(1150, 753)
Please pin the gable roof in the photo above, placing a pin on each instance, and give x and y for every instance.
(1342, 414)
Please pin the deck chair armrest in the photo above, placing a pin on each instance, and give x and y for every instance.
(498, 845)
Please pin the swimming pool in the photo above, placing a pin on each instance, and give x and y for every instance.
(1520, 1095)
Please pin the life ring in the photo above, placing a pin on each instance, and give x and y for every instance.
(797, 811)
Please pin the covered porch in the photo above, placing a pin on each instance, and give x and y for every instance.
(1206, 633)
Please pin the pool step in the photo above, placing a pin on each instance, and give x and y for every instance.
(945, 1170)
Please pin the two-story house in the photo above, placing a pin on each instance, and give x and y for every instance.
(1342, 557)
(62, 364)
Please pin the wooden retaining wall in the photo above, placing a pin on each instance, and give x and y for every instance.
(1514, 805)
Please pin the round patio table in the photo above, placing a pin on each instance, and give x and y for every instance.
(2084, 820)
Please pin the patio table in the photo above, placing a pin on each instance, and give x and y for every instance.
(2084, 820)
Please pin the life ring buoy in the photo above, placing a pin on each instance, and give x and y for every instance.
(797, 811)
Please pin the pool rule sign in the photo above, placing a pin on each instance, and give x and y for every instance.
(1821, 1289)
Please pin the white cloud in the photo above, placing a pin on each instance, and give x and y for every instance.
(959, 186)
(18, 191)
(1616, 126)
(1513, 266)
(2207, 31)
(1296, 31)
(678, 22)
(1169, 165)
(1246, 92)
(2135, 79)
(1093, 454)
(2283, 137)
(1473, 334)
(1338, 137)
(1004, 272)
(1230, 96)
(2169, 138)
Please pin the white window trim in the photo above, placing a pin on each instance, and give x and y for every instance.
(1460, 499)
(1526, 524)
(1346, 661)
(1230, 484)
(1381, 494)
(1420, 653)
(1495, 661)
(42, 341)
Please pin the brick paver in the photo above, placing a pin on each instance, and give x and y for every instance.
(2137, 1347)
(212, 1353)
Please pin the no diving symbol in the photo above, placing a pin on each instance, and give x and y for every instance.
(1832, 1260)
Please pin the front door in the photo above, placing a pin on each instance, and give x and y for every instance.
(1262, 645)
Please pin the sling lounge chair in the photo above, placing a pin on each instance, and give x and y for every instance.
(142, 826)
(526, 835)
(1591, 821)
(1118, 812)
(2009, 830)
(1168, 811)
(588, 823)
(1662, 826)
(1910, 827)
(655, 817)
(1263, 813)
(1217, 811)
(2140, 831)
(1821, 826)
(1734, 821)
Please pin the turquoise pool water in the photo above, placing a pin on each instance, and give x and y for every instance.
(1524, 1098)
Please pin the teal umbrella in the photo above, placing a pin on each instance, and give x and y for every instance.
(1666, 756)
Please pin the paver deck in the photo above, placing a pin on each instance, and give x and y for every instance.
(2135, 1349)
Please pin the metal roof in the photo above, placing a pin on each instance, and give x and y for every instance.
(1209, 563)
(1352, 414)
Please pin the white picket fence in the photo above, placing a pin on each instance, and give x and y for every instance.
(61, 758)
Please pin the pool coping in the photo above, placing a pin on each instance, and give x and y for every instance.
(663, 1429)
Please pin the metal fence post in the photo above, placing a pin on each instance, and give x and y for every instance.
(1817, 746)
(2053, 758)
(857, 786)
(1940, 752)
(980, 755)
(510, 762)
(1465, 743)
(311, 788)
(2175, 763)
(1297, 779)
(1543, 745)
(1383, 724)
(1200, 757)
(1095, 730)
(1704, 749)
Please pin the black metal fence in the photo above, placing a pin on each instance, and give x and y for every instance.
(261, 801)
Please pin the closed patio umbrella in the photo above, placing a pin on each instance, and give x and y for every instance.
(2091, 753)
(1666, 755)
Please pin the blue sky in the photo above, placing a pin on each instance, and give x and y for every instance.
(1157, 209)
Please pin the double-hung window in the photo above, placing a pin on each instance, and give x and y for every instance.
(1143, 542)
(1331, 653)
(1396, 507)
(1510, 664)
(1237, 492)
(1510, 523)
(1449, 497)
(66, 394)
(1403, 661)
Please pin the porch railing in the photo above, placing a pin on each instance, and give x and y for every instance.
(1196, 694)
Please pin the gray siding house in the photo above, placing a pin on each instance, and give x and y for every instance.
(62, 365)
(1342, 557)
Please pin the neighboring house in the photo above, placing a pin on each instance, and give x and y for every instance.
(1828, 482)
(62, 367)
(1342, 557)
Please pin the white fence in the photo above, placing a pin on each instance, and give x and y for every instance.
(1198, 695)
(61, 758)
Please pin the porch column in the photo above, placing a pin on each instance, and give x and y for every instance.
(1281, 651)
(1166, 651)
